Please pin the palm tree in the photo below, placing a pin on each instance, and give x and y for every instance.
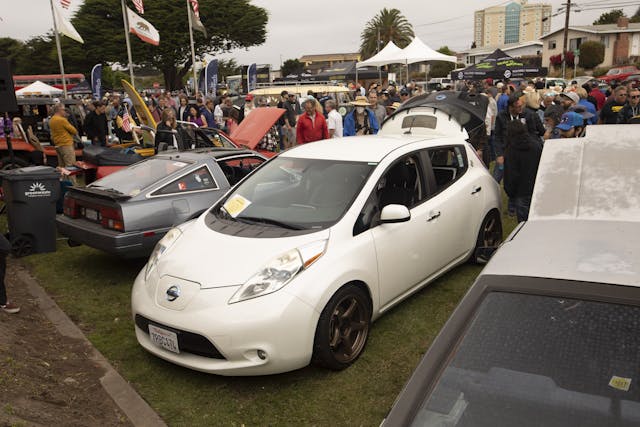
(391, 25)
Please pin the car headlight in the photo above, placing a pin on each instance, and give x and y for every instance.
(161, 247)
(279, 271)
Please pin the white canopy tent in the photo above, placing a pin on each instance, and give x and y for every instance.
(38, 88)
(384, 57)
(417, 51)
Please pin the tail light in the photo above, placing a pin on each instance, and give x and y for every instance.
(111, 218)
(70, 207)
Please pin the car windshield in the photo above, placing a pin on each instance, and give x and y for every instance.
(133, 179)
(531, 360)
(296, 193)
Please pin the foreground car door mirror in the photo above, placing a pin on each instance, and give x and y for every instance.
(394, 213)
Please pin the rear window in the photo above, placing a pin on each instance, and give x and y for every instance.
(530, 360)
(133, 179)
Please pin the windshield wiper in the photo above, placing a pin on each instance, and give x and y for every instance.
(268, 221)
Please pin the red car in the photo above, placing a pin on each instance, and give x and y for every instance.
(619, 73)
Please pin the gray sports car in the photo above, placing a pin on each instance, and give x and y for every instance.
(127, 213)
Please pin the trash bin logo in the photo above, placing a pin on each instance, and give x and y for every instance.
(37, 189)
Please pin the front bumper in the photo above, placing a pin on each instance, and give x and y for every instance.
(134, 244)
(265, 335)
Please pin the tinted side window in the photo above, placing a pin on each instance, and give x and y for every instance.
(448, 163)
(200, 179)
(236, 169)
(402, 184)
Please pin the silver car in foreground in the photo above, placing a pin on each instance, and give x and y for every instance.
(549, 334)
(128, 212)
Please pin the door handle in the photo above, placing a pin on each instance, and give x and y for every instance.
(433, 215)
(476, 190)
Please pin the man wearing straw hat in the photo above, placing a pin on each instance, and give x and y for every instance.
(360, 121)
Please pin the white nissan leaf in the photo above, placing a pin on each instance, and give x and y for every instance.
(296, 261)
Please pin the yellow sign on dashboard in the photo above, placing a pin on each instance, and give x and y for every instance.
(235, 205)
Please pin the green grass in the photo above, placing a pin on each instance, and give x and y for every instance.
(93, 288)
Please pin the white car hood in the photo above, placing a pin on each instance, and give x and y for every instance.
(216, 260)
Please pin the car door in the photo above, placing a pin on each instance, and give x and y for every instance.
(456, 200)
(405, 251)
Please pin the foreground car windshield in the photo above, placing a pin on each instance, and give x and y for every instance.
(530, 360)
(296, 193)
(132, 180)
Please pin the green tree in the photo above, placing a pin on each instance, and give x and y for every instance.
(442, 68)
(636, 16)
(387, 25)
(11, 49)
(591, 54)
(39, 56)
(610, 17)
(230, 24)
(291, 66)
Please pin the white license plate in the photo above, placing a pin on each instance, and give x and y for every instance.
(163, 338)
(91, 214)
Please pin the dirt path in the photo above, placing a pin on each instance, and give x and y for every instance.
(47, 379)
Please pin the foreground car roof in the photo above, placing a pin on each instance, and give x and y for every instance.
(595, 251)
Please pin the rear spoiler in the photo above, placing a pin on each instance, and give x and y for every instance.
(103, 193)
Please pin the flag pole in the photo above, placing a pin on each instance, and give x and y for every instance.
(55, 30)
(125, 18)
(193, 51)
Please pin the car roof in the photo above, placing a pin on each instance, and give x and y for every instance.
(584, 221)
(588, 251)
(369, 148)
(200, 153)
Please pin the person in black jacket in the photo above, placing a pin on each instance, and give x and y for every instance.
(95, 124)
(514, 111)
(521, 160)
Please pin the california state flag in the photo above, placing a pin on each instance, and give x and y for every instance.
(142, 28)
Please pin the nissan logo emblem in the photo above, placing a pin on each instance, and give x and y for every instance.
(173, 293)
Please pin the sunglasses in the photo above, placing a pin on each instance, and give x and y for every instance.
(634, 96)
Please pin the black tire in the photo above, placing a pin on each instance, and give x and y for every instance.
(489, 238)
(21, 246)
(343, 329)
(17, 163)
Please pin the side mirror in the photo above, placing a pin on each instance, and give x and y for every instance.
(394, 213)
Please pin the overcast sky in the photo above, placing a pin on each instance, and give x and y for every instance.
(299, 28)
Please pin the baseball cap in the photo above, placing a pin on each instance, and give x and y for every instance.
(572, 96)
(249, 97)
(569, 120)
(580, 109)
(404, 92)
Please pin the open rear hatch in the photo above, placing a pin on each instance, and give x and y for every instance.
(468, 109)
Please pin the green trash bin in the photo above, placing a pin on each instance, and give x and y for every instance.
(30, 196)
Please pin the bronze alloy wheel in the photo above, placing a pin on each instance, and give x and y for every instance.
(343, 328)
(492, 231)
(349, 328)
(489, 238)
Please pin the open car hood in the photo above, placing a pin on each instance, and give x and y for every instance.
(255, 126)
(468, 109)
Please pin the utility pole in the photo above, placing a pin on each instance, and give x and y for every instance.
(566, 37)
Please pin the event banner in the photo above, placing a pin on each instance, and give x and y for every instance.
(96, 81)
(252, 77)
(211, 77)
